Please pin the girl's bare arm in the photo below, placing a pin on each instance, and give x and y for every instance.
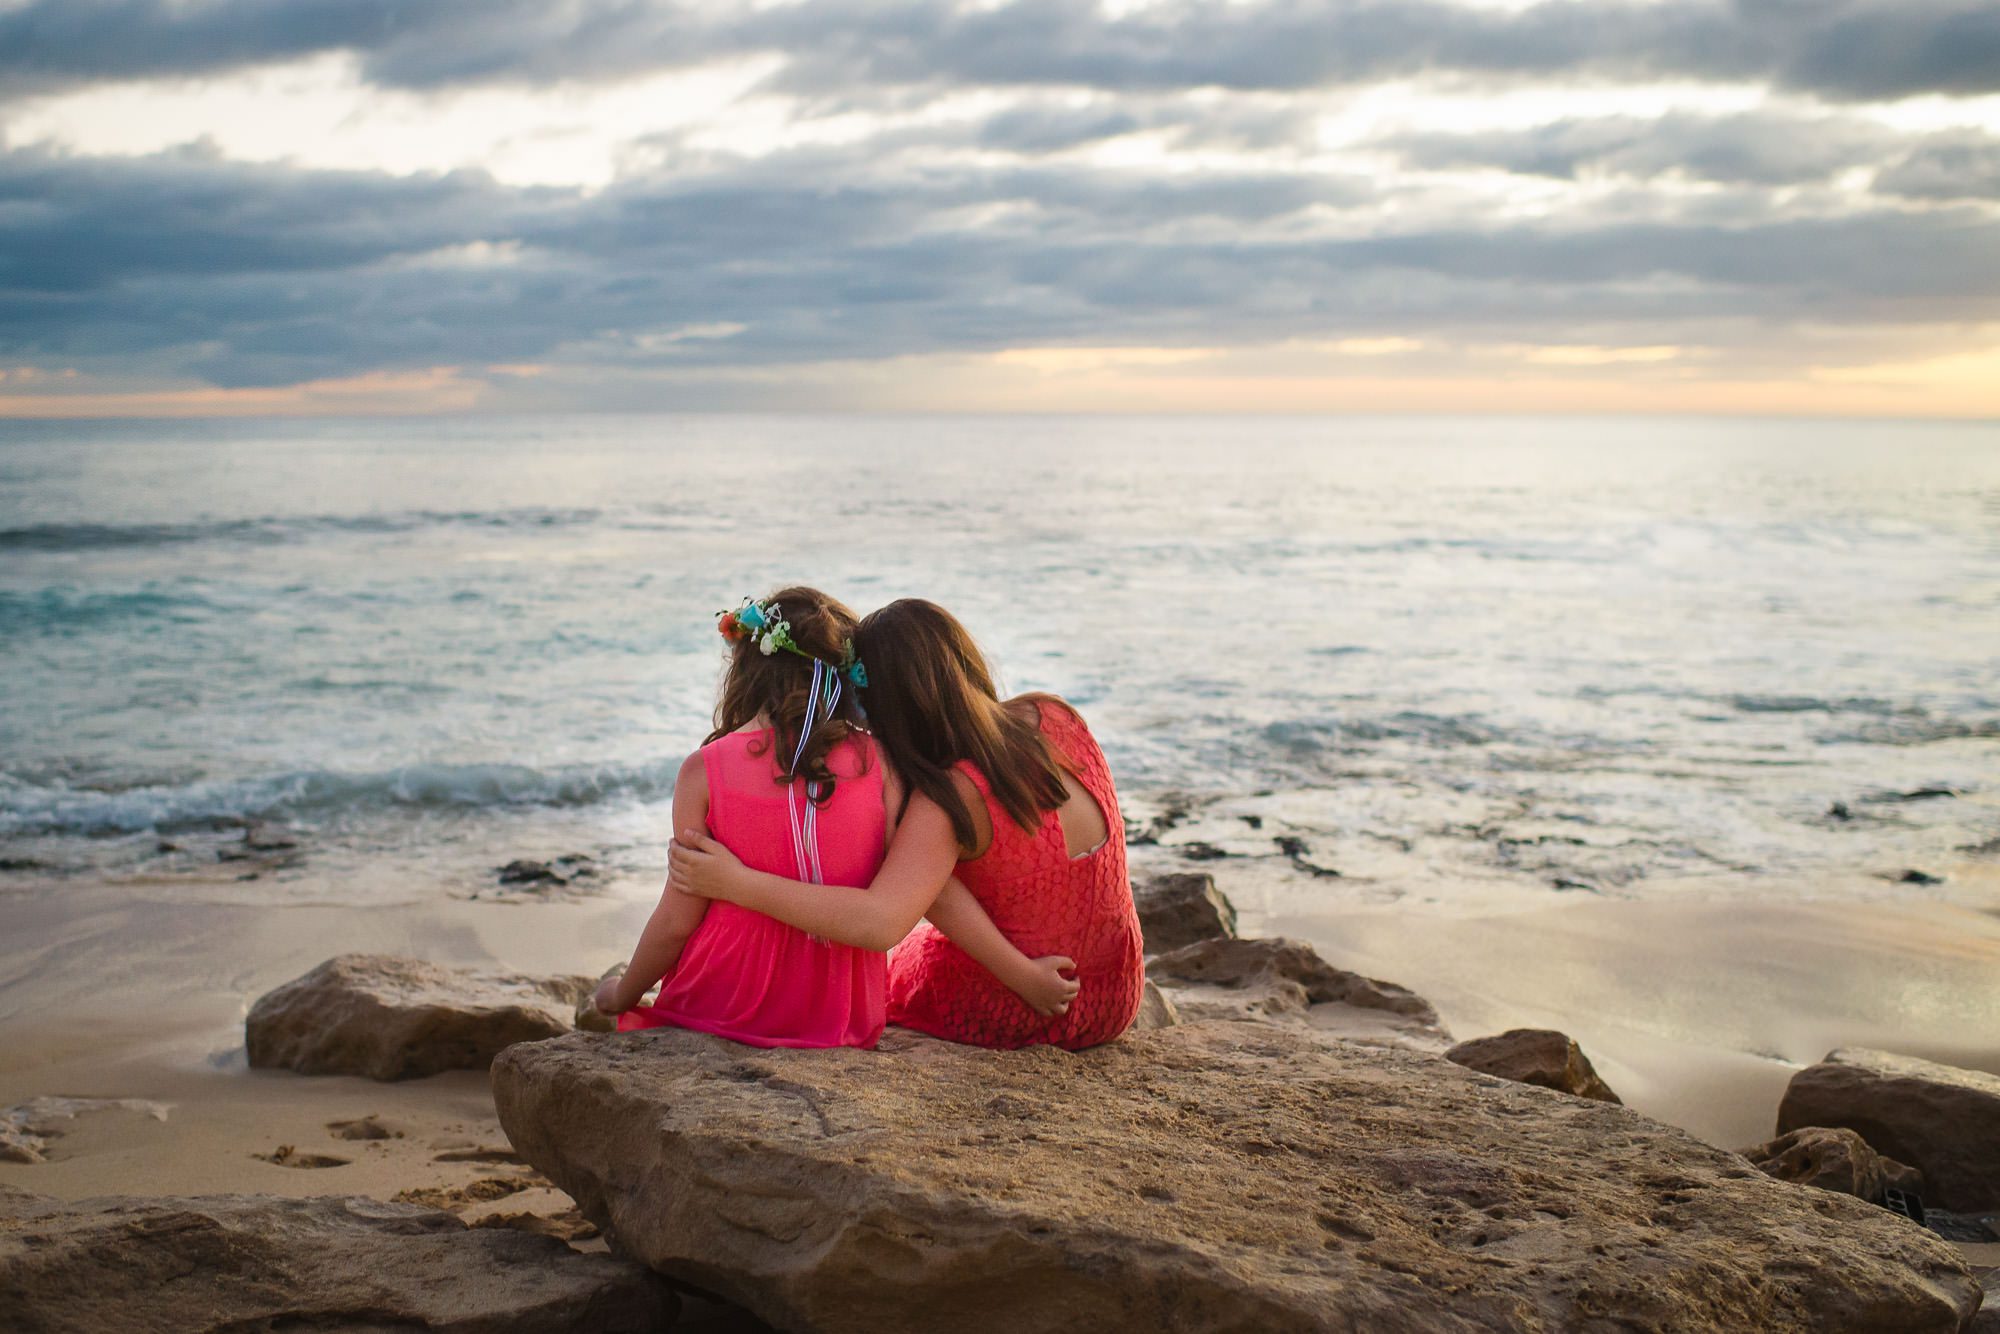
(674, 918)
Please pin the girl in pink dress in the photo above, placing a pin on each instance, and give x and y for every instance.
(791, 784)
(1016, 799)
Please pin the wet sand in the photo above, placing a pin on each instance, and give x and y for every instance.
(1697, 1012)
(124, 991)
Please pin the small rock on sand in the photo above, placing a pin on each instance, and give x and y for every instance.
(367, 1127)
(1538, 1056)
(1155, 1010)
(1288, 982)
(587, 1016)
(1833, 1158)
(1178, 910)
(1941, 1120)
(389, 1017)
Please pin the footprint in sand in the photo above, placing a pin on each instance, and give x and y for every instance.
(287, 1156)
(368, 1127)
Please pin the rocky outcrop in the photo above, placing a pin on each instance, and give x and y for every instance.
(1943, 1121)
(1538, 1056)
(1179, 910)
(1211, 1176)
(1833, 1159)
(1286, 981)
(241, 1262)
(388, 1017)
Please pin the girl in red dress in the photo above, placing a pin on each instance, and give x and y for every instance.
(791, 784)
(1016, 799)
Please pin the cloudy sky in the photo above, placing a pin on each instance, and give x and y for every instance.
(491, 205)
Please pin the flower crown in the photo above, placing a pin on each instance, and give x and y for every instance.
(766, 624)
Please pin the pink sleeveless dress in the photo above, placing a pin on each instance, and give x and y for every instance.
(752, 978)
(1045, 902)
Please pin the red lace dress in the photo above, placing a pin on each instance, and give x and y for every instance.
(1045, 902)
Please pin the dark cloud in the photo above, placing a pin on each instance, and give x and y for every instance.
(1840, 49)
(267, 274)
(1755, 148)
(1959, 165)
(975, 233)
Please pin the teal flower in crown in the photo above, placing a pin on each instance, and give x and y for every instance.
(751, 617)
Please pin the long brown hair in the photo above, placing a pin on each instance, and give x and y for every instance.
(931, 703)
(779, 686)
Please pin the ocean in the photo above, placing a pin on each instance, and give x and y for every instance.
(1364, 659)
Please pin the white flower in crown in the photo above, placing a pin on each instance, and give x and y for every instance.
(769, 643)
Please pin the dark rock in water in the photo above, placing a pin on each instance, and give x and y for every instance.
(1254, 821)
(1839, 811)
(1287, 981)
(1296, 850)
(264, 837)
(1207, 1177)
(24, 864)
(1177, 910)
(1562, 884)
(1943, 1121)
(562, 871)
(1203, 852)
(256, 1262)
(1834, 1158)
(271, 847)
(1173, 813)
(522, 871)
(1916, 877)
(1538, 1056)
(388, 1017)
(1920, 794)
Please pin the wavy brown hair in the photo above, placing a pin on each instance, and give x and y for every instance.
(779, 686)
(931, 703)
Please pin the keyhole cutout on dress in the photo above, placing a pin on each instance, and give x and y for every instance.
(1083, 824)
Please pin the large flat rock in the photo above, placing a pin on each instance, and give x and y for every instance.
(389, 1017)
(255, 1262)
(1207, 1177)
(1941, 1120)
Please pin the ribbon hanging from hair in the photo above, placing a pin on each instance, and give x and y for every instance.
(821, 705)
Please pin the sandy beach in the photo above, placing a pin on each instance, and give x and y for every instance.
(1696, 1010)
(121, 992)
